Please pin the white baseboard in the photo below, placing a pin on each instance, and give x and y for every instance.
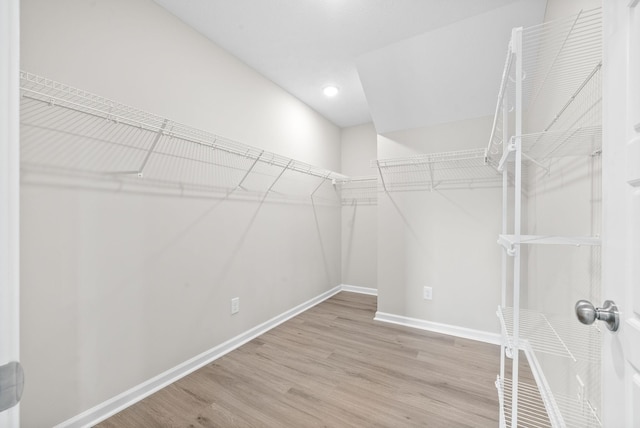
(452, 330)
(358, 289)
(114, 405)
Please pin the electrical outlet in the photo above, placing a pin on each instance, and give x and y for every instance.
(235, 305)
(427, 293)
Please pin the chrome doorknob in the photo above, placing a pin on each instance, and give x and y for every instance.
(608, 313)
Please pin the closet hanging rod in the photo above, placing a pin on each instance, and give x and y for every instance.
(574, 65)
(51, 92)
(557, 54)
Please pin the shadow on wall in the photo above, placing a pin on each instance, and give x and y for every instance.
(351, 223)
(400, 253)
(191, 221)
(122, 284)
(406, 222)
(323, 251)
(445, 240)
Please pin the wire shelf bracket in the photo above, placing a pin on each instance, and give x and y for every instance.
(244, 177)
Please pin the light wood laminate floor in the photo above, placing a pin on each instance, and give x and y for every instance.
(333, 366)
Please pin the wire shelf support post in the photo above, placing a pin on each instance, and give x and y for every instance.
(517, 50)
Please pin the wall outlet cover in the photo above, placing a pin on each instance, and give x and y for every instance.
(427, 293)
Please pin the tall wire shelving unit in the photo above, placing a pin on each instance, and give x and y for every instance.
(554, 64)
(71, 135)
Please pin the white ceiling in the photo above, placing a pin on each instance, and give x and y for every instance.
(444, 75)
(304, 45)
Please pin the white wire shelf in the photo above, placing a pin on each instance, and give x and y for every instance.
(558, 56)
(584, 141)
(561, 60)
(573, 412)
(359, 191)
(560, 339)
(555, 335)
(454, 169)
(509, 242)
(544, 146)
(531, 410)
(67, 131)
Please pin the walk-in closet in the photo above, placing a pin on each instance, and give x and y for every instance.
(333, 213)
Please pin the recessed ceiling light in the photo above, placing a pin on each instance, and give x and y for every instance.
(330, 91)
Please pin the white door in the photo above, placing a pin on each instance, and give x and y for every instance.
(621, 211)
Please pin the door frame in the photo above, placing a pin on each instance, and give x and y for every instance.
(9, 193)
(620, 228)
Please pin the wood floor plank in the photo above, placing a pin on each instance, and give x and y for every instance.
(333, 366)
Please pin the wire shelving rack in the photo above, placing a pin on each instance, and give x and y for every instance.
(66, 131)
(558, 65)
(561, 60)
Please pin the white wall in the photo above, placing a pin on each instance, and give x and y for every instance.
(359, 148)
(359, 220)
(445, 239)
(119, 287)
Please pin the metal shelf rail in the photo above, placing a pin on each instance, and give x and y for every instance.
(68, 131)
